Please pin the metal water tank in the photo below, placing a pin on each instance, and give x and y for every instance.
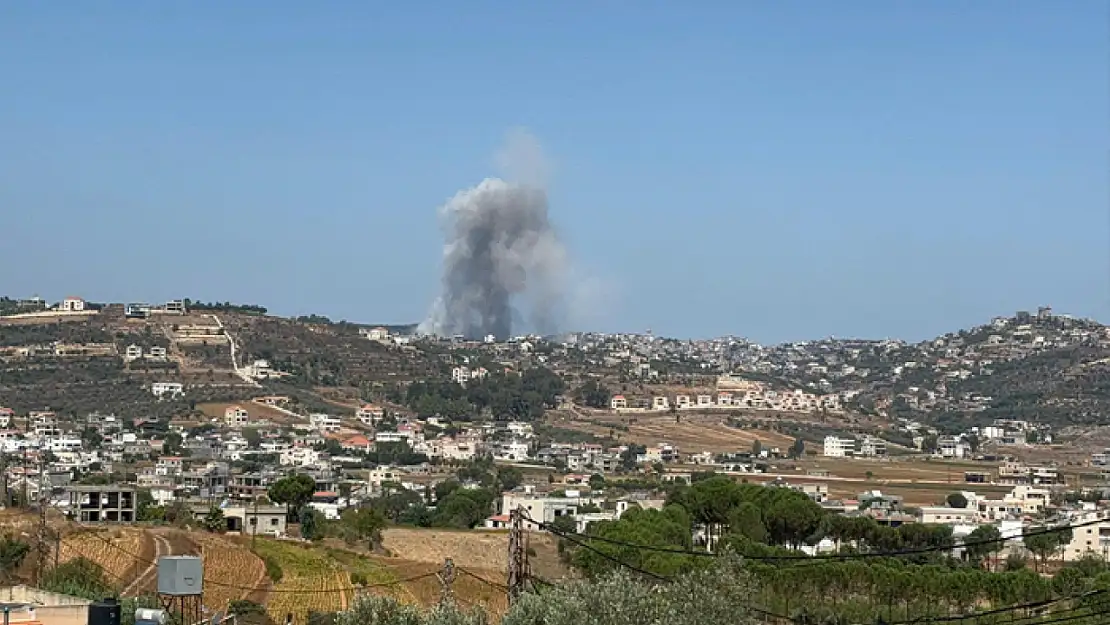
(150, 616)
(180, 576)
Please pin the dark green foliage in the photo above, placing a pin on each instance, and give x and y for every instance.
(593, 394)
(312, 524)
(505, 396)
(12, 553)
(294, 491)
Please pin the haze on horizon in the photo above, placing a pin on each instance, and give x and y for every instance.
(779, 171)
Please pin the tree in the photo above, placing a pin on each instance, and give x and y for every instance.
(747, 521)
(509, 478)
(981, 535)
(669, 527)
(791, 517)
(593, 394)
(312, 524)
(145, 508)
(1043, 542)
(973, 443)
(629, 455)
(294, 491)
(798, 449)
(172, 444)
(91, 438)
(956, 500)
(757, 448)
(458, 511)
(597, 481)
(214, 521)
(253, 438)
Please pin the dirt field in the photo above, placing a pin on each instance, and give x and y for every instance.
(256, 411)
(485, 551)
(693, 434)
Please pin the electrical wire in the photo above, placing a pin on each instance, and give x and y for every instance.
(1044, 603)
(498, 586)
(834, 556)
(1063, 617)
(657, 577)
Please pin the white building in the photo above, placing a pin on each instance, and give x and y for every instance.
(72, 304)
(1089, 540)
(370, 414)
(836, 447)
(171, 389)
(403, 436)
(944, 515)
(375, 334)
(462, 375)
(324, 422)
(952, 447)
(236, 417)
(872, 447)
(299, 457)
(133, 352)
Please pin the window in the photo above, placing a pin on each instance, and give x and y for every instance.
(254, 521)
(273, 522)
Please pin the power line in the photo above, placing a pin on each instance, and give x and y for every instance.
(498, 586)
(830, 556)
(1024, 606)
(656, 576)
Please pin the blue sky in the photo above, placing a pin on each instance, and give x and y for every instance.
(778, 170)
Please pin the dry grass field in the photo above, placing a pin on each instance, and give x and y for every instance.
(693, 433)
(121, 552)
(255, 410)
(486, 551)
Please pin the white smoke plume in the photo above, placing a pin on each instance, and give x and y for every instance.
(501, 253)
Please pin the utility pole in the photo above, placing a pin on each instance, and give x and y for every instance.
(254, 528)
(23, 503)
(44, 530)
(446, 578)
(517, 554)
(4, 477)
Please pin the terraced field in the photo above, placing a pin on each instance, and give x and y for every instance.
(110, 549)
(231, 572)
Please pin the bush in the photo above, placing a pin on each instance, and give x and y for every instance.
(712, 596)
(273, 569)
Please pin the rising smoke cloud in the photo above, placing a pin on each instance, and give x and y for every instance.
(501, 252)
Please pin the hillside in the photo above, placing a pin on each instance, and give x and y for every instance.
(79, 364)
(1042, 367)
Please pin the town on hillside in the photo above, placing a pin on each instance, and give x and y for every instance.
(307, 453)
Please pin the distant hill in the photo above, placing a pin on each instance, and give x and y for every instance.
(1042, 367)
(80, 364)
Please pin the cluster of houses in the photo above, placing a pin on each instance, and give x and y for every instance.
(734, 392)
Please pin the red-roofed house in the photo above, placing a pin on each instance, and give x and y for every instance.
(497, 522)
(618, 402)
(357, 443)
